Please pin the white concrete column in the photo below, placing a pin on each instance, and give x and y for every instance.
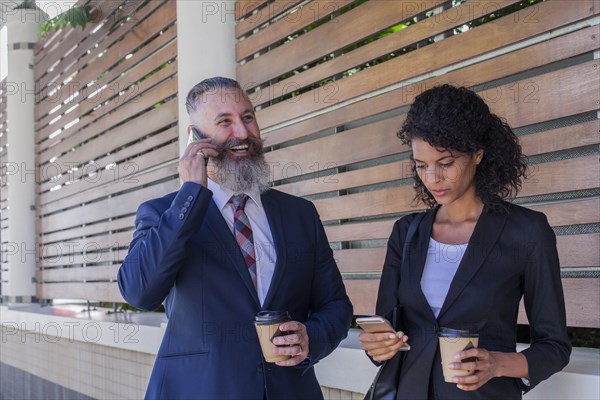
(20, 251)
(205, 48)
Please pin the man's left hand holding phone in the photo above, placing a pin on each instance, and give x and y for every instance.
(194, 162)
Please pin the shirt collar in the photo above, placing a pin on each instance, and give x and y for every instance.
(222, 195)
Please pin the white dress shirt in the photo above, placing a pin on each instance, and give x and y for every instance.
(261, 232)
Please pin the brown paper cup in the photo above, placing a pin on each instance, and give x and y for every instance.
(267, 328)
(453, 341)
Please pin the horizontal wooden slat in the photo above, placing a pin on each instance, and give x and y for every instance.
(286, 26)
(125, 178)
(131, 85)
(348, 180)
(270, 12)
(552, 177)
(409, 36)
(125, 157)
(372, 203)
(83, 42)
(582, 296)
(544, 53)
(360, 230)
(576, 212)
(72, 47)
(47, 43)
(548, 96)
(367, 142)
(102, 273)
(85, 251)
(97, 291)
(360, 260)
(88, 230)
(125, 89)
(109, 182)
(306, 158)
(581, 300)
(555, 177)
(363, 295)
(133, 35)
(569, 248)
(579, 250)
(51, 42)
(123, 113)
(584, 134)
(104, 209)
(361, 22)
(119, 79)
(156, 119)
(245, 7)
(559, 214)
(569, 137)
(93, 256)
(477, 41)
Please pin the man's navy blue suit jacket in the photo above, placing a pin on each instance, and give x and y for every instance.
(184, 254)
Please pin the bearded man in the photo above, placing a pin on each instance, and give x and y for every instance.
(223, 248)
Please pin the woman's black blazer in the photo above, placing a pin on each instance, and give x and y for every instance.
(510, 256)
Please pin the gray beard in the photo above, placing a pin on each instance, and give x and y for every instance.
(244, 175)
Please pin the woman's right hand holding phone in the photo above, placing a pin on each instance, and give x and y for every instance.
(382, 346)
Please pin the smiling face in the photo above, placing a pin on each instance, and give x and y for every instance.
(227, 117)
(448, 176)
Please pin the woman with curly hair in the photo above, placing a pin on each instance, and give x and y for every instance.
(468, 261)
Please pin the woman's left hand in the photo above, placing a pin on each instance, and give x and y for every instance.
(485, 366)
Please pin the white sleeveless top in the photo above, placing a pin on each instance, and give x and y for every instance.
(440, 267)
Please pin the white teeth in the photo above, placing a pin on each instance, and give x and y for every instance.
(242, 147)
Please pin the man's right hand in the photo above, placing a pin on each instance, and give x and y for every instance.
(192, 166)
(382, 346)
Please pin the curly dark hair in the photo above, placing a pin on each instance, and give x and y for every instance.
(455, 118)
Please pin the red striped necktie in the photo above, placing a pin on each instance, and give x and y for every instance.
(243, 233)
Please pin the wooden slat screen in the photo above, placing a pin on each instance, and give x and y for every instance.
(3, 178)
(106, 140)
(332, 80)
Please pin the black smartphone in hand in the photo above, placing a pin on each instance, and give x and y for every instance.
(197, 135)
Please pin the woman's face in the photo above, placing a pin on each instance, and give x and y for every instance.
(448, 176)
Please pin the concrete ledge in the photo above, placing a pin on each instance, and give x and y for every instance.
(130, 331)
(348, 368)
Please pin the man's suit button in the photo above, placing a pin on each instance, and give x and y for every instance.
(187, 204)
(260, 368)
(181, 216)
(190, 198)
(183, 209)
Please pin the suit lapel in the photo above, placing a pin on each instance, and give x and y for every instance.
(276, 223)
(417, 255)
(223, 235)
(484, 237)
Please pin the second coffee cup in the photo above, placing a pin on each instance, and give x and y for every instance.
(453, 341)
(267, 327)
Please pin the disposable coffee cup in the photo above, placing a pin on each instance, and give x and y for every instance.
(453, 341)
(267, 327)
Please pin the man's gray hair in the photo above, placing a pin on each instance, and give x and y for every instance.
(210, 86)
